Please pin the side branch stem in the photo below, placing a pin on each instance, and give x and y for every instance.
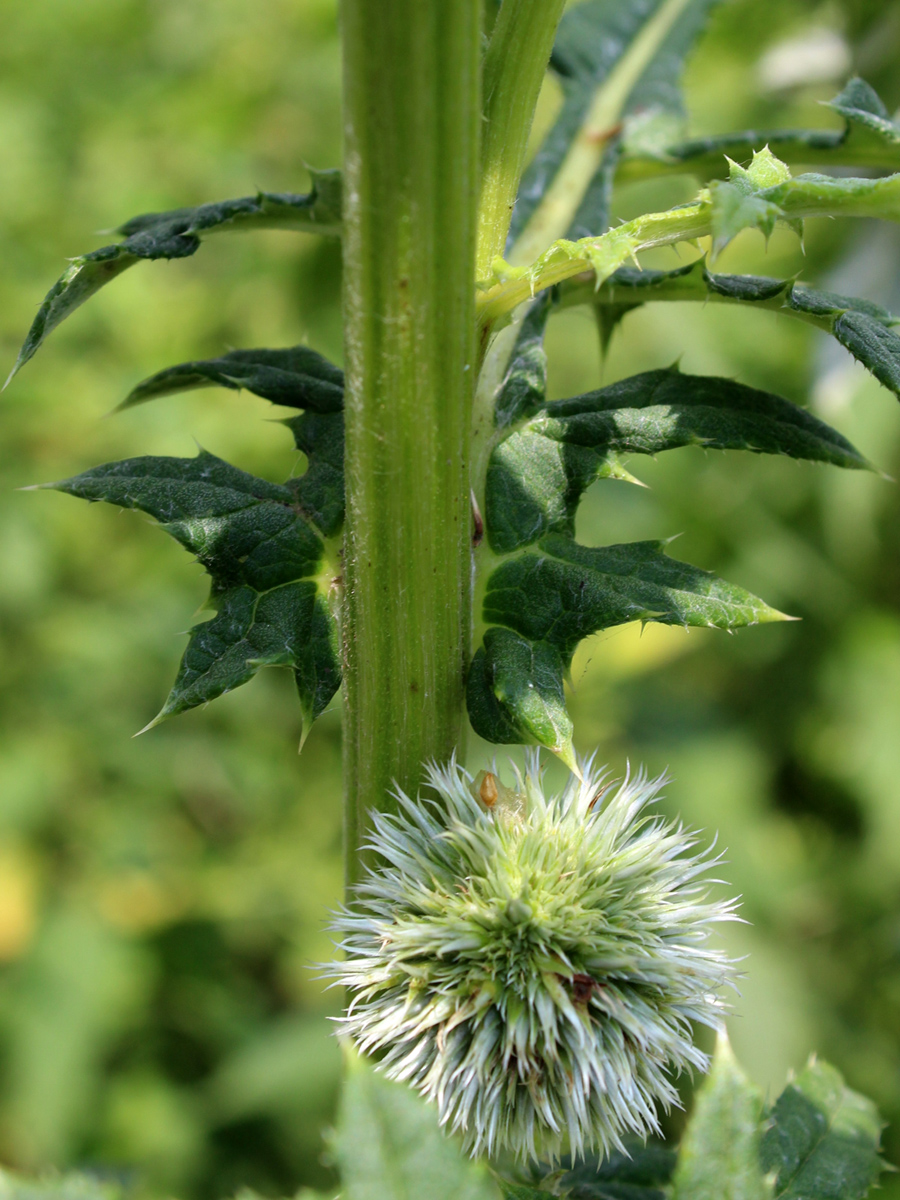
(514, 68)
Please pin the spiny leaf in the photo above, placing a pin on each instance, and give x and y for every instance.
(515, 694)
(869, 125)
(613, 59)
(534, 483)
(561, 592)
(319, 492)
(862, 327)
(537, 475)
(719, 1154)
(872, 344)
(297, 377)
(389, 1147)
(289, 625)
(524, 385)
(869, 139)
(541, 603)
(177, 234)
(822, 1139)
(262, 554)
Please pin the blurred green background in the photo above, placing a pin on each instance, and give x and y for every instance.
(163, 900)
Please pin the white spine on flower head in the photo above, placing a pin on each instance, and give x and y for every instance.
(533, 963)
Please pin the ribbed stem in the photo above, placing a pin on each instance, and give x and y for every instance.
(412, 115)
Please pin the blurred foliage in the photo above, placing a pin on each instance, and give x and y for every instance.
(162, 900)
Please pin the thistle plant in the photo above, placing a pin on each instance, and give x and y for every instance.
(533, 964)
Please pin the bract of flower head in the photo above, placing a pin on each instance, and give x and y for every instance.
(533, 963)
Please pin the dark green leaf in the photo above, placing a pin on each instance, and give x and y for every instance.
(638, 1175)
(296, 377)
(719, 1154)
(862, 327)
(541, 603)
(538, 474)
(389, 1146)
(869, 138)
(598, 44)
(561, 592)
(289, 625)
(869, 126)
(320, 491)
(177, 234)
(822, 1139)
(524, 386)
(262, 554)
(534, 484)
(515, 694)
(873, 344)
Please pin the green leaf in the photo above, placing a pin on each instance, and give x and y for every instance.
(515, 694)
(534, 483)
(822, 1139)
(538, 474)
(263, 556)
(873, 344)
(614, 59)
(561, 592)
(719, 1154)
(869, 139)
(177, 234)
(389, 1147)
(541, 603)
(319, 492)
(524, 386)
(870, 134)
(297, 377)
(862, 327)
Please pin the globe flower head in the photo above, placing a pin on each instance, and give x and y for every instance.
(532, 963)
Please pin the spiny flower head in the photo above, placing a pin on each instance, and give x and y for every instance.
(532, 963)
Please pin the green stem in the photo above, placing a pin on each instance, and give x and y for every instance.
(514, 69)
(412, 114)
(603, 255)
(794, 199)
